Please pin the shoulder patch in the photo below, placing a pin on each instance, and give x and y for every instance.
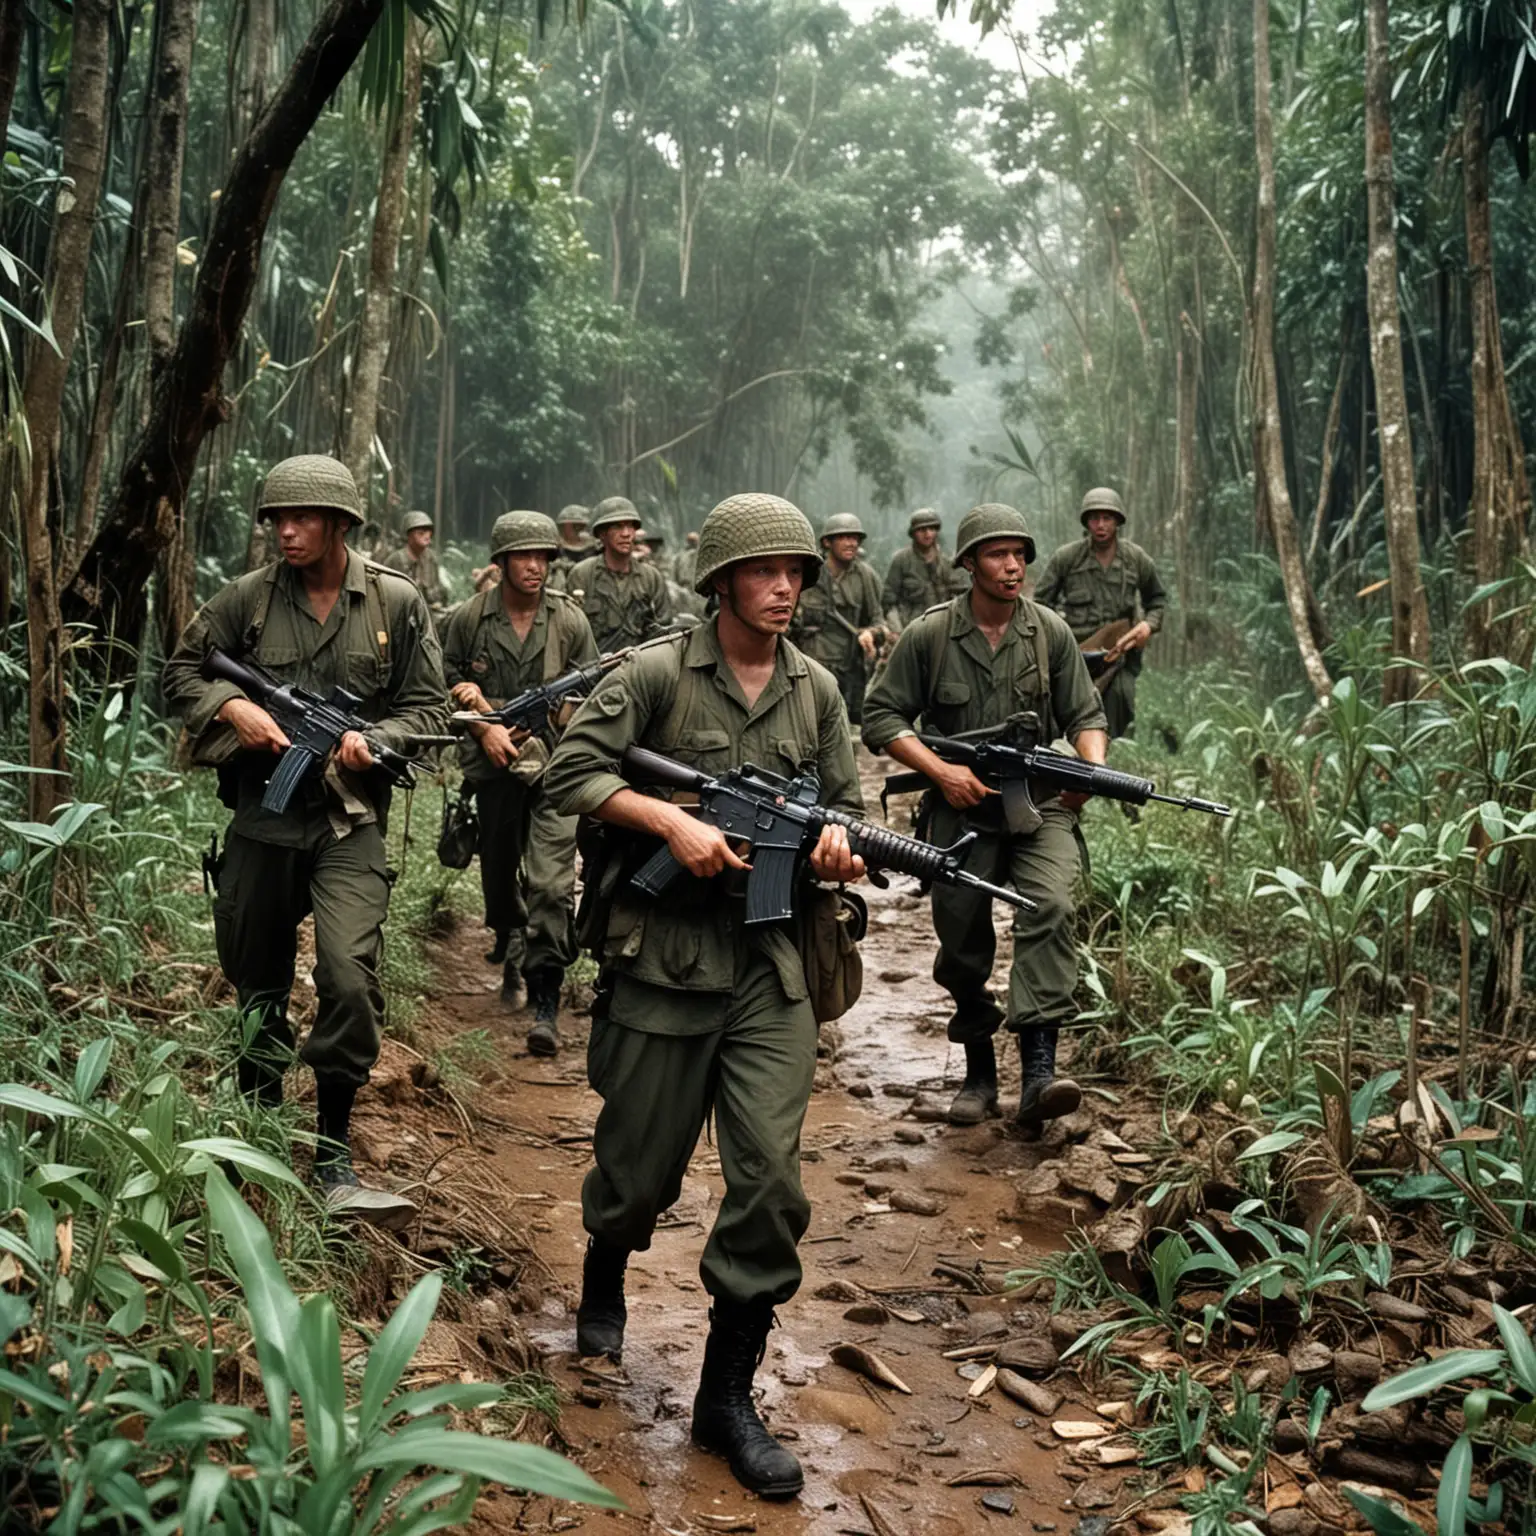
(612, 700)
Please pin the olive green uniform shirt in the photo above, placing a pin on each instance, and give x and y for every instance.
(1089, 595)
(424, 572)
(398, 678)
(854, 595)
(480, 646)
(944, 673)
(622, 609)
(567, 557)
(913, 585)
(692, 939)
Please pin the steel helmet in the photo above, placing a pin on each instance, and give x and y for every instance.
(843, 522)
(992, 520)
(311, 480)
(924, 517)
(574, 512)
(744, 527)
(612, 510)
(1101, 499)
(414, 520)
(655, 540)
(517, 531)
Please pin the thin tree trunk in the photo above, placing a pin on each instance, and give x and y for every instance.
(188, 401)
(1330, 442)
(256, 66)
(1394, 438)
(69, 259)
(176, 28)
(1186, 468)
(1270, 456)
(1500, 496)
(374, 324)
(13, 31)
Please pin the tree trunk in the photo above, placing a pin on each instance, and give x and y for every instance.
(188, 401)
(165, 152)
(1270, 455)
(1186, 468)
(69, 258)
(13, 31)
(256, 66)
(1501, 498)
(1394, 439)
(374, 325)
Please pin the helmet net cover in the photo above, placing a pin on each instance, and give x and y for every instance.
(751, 525)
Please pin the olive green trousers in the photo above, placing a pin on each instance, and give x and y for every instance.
(265, 892)
(754, 1076)
(1042, 866)
(528, 870)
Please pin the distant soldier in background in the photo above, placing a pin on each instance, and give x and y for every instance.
(625, 600)
(921, 574)
(322, 616)
(839, 621)
(1108, 591)
(687, 561)
(575, 544)
(508, 639)
(415, 558)
(655, 544)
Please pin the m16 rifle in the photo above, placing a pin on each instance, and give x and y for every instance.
(314, 726)
(781, 821)
(1015, 770)
(530, 711)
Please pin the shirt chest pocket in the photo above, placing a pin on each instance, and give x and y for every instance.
(709, 751)
(791, 757)
(1079, 592)
(366, 675)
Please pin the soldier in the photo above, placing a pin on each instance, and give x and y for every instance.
(655, 546)
(839, 622)
(415, 558)
(625, 600)
(575, 544)
(695, 1015)
(499, 644)
(687, 561)
(1100, 581)
(322, 616)
(920, 575)
(967, 664)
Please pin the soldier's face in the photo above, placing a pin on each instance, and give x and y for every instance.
(925, 538)
(844, 547)
(418, 541)
(618, 538)
(305, 534)
(526, 570)
(1102, 527)
(762, 593)
(997, 567)
(573, 533)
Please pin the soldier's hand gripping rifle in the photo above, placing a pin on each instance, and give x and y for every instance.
(314, 727)
(530, 710)
(1013, 770)
(781, 822)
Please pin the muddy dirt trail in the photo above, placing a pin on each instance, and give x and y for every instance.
(877, 1460)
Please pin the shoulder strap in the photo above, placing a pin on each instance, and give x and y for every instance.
(1043, 665)
(554, 638)
(684, 689)
(938, 642)
(263, 604)
(378, 611)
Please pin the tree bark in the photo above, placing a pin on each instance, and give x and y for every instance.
(1270, 456)
(69, 258)
(1501, 498)
(1394, 438)
(165, 154)
(256, 66)
(374, 325)
(188, 401)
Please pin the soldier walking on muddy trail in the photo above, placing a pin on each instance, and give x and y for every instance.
(920, 575)
(319, 616)
(1107, 589)
(497, 645)
(839, 622)
(696, 1014)
(982, 661)
(625, 599)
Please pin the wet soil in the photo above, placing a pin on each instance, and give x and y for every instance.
(877, 1460)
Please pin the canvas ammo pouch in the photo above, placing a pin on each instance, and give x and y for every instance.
(831, 925)
(460, 832)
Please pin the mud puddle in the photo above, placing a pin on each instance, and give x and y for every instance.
(877, 1460)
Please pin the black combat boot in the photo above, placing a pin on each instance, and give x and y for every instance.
(333, 1152)
(512, 983)
(725, 1420)
(497, 953)
(977, 1098)
(1043, 1095)
(544, 986)
(601, 1316)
